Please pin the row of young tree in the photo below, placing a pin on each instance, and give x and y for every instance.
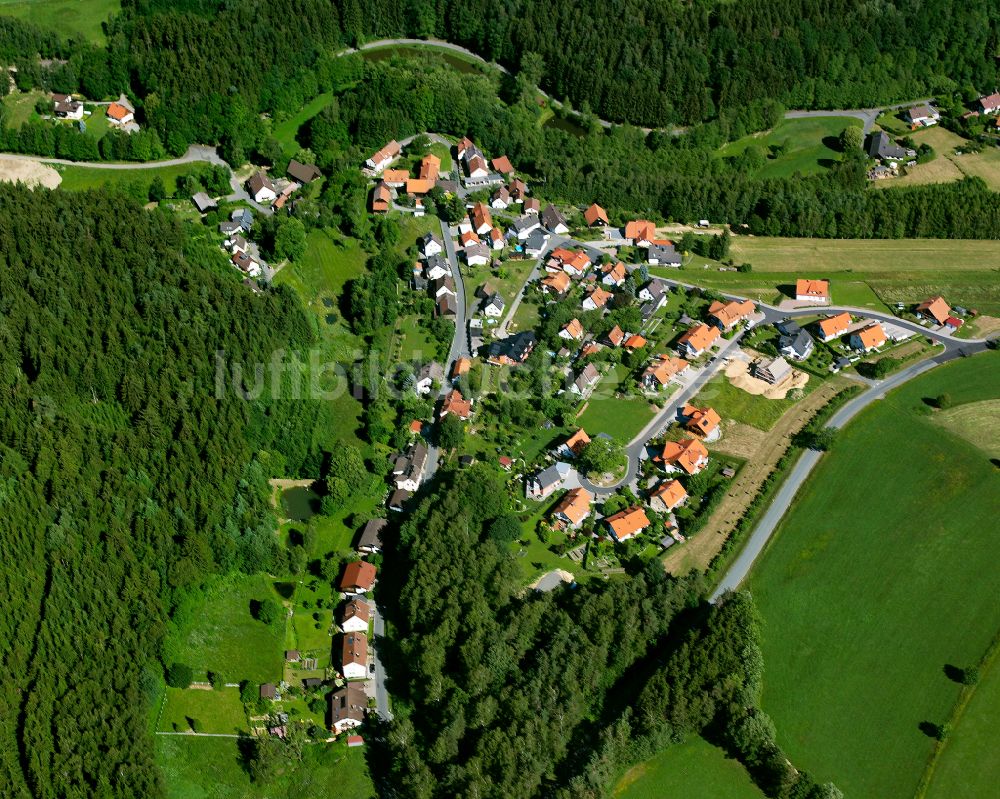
(129, 471)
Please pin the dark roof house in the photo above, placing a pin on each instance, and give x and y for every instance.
(302, 173)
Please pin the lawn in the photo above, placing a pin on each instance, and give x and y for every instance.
(883, 573)
(286, 131)
(20, 106)
(65, 17)
(968, 767)
(735, 403)
(78, 178)
(809, 145)
(413, 341)
(621, 419)
(223, 636)
(692, 770)
(507, 279)
(217, 711)
(212, 768)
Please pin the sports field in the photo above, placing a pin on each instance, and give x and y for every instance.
(692, 770)
(883, 573)
(65, 17)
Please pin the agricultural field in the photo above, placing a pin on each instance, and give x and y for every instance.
(221, 634)
(692, 770)
(65, 17)
(865, 602)
(806, 146)
(196, 767)
(948, 166)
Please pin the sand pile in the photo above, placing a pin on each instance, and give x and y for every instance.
(30, 173)
(739, 375)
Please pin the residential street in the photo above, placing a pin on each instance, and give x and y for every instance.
(378, 675)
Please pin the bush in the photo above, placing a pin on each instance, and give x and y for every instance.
(268, 611)
(217, 679)
(179, 675)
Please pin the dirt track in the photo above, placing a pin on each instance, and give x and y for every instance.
(30, 173)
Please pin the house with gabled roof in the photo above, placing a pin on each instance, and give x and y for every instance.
(381, 198)
(595, 216)
(868, 338)
(628, 523)
(355, 616)
(381, 158)
(430, 168)
(302, 173)
(557, 284)
(531, 205)
(701, 421)
(640, 232)
(573, 445)
(688, 455)
(698, 339)
(348, 707)
(990, 104)
(659, 373)
(573, 508)
(456, 404)
(261, 188)
(614, 274)
(585, 380)
(503, 166)
(370, 540)
(834, 326)
(729, 314)
(118, 114)
(572, 330)
(358, 578)
(663, 255)
(596, 298)
(922, 116)
(934, 310)
(354, 656)
(525, 225)
(817, 291)
(518, 190)
(667, 496)
(553, 220)
(545, 482)
(482, 219)
(615, 336)
(500, 199)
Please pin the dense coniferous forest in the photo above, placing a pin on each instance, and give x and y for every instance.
(125, 480)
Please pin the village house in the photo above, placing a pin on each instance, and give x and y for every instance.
(430, 168)
(628, 523)
(348, 706)
(518, 190)
(380, 159)
(531, 205)
(503, 166)
(437, 268)
(355, 616)
(698, 340)
(635, 342)
(442, 286)
(302, 173)
(573, 445)
(596, 298)
(585, 380)
(667, 496)
(834, 326)
(615, 336)
(525, 225)
(398, 500)
(120, 115)
(261, 188)
(428, 374)
(659, 373)
(417, 187)
(688, 455)
(640, 232)
(370, 540)
(461, 367)
(544, 483)
(493, 306)
(477, 254)
(454, 403)
(573, 508)
(246, 263)
(430, 244)
(572, 330)
(204, 203)
(655, 292)
(381, 198)
(553, 220)
(729, 314)
(244, 217)
(595, 216)
(701, 421)
(268, 691)
(794, 342)
(500, 199)
(446, 305)
(466, 238)
(359, 577)
(395, 178)
(614, 274)
(773, 370)
(817, 291)
(663, 255)
(557, 284)
(482, 220)
(922, 116)
(496, 239)
(65, 107)
(354, 660)
(881, 146)
(934, 310)
(989, 104)
(868, 338)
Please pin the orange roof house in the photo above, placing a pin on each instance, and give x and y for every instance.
(667, 496)
(468, 238)
(628, 523)
(597, 298)
(572, 330)
(557, 283)
(503, 165)
(812, 290)
(575, 443)
(395, 177)
(935, 309)
(418, 187)
(703, 421)
(574, 507)
(640, 231)
(635, 342)
(868, 338)
(578, 262)
(482, 220)
(834, 326)
(615, 336)
(688, 455)
(729, 314)
(698, 339)
(381, 198)
(358, 578)
(595, 215)
(461, 367)
(614, 274)
(119, 113)
(430, 167)
(659, 372)
(454, 403)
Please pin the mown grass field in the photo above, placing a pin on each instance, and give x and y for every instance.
(810, 145)
(212, 768)
(65, 17)
(287, 130)
(883, 573)
(968, 767)
(217, 711)
(223, 636)
(621, 419)
(79, 178)
(692, 770)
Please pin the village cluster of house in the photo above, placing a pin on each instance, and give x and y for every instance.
(275, 192)
(120, 113)
(242, 253)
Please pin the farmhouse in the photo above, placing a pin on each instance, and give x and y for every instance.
(354, 656)
(628, 523)
(668, 495)
(772, 371)
(573, 508)
(395, 178)
(358, 578)
(380, 159)
(659, 373)
(640, 232)
(261, 188)
(698, 339)
(348, 707)
(687, 455)
(729, 314)
(597, 298)
(701, 421)
(455, 404)
(370, 541)
(355, 615)
(512, 350)
(834, 326)
(817, 291)
(868, 338)
(663, 255)
(595, 216)
(934, 310)
(544, 483)
(573, 445)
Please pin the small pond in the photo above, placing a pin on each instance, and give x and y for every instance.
(566, 125)
(455, 61)
(300, 503)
